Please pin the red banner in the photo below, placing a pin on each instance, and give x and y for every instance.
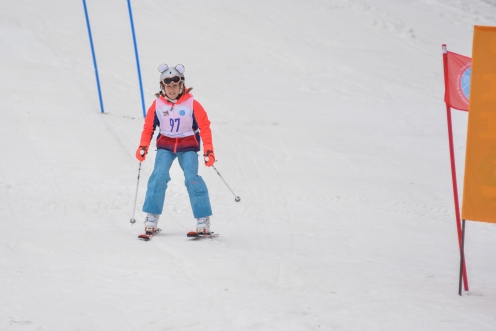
(458, 71)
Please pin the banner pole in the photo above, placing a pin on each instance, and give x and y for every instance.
(93, 55)
(452, 160)
(462, 260)
(137, 57)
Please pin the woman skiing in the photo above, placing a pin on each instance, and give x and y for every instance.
(181, 121)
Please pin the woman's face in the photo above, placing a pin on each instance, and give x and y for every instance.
(172, 90)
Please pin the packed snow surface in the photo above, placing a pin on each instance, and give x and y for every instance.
(328, 121)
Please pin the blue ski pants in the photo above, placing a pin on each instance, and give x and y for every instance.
(157, 183)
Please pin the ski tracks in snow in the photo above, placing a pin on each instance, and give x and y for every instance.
(269, 158)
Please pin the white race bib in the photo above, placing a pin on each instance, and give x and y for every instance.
(175, 120)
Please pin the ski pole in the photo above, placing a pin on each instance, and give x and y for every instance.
(132, 220)
(237, 199)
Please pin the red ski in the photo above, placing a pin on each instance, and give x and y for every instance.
(195, 235)
(148, 236)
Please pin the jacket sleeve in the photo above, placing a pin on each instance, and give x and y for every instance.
(204, 126)
(149, 126)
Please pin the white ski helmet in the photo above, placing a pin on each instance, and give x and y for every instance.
(166, 71)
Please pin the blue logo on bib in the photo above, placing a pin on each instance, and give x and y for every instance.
(182, 112)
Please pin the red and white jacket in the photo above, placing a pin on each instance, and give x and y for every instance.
(181, 125)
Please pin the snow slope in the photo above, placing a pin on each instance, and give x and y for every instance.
(328, 122)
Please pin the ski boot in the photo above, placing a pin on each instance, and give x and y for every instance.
(151, 222)
(202, 229)
(203, 225)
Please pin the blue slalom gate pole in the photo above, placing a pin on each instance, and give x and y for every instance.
(93, 54)
(137, 57)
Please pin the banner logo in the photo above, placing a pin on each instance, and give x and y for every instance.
(463, 85)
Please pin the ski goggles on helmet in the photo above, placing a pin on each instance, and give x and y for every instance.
(169, 80)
